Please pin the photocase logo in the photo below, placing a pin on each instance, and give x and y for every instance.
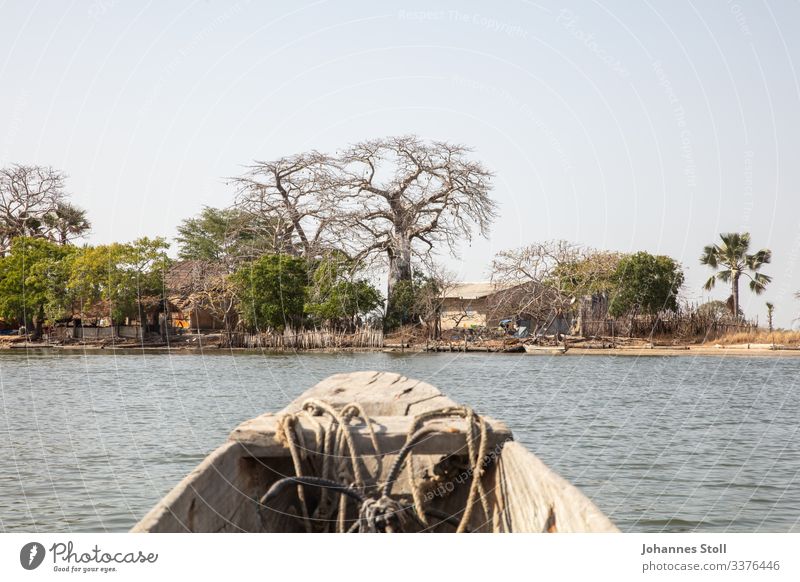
(31, 555)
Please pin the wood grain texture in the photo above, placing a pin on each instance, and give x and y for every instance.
(531, 497)
(523, 493)
(449, 437)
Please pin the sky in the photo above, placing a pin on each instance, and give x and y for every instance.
(618, 125)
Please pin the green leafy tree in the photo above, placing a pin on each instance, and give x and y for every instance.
(415, 301)
(33, 280)
(591, 272)
(345, 301)
(646, 284)
(272, 291)
(231, 236)
(122, 275)
(338, 298)
(401, 309)
(733, 260)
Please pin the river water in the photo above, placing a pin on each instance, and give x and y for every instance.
(91, 442)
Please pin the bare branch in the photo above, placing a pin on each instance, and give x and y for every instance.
(33, 202)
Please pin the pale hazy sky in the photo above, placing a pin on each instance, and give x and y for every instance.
(622, 125)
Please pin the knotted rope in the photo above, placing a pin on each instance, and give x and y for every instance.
(381, 513)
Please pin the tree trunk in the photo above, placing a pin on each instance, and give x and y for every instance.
(633, 322)
(399, 262)
(37, 333)
(735, 294)
(227, 320)
(399, 268)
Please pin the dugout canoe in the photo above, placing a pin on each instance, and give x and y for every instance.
(545, 350)
(351, 434)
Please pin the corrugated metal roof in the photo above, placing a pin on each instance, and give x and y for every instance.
(473, 290)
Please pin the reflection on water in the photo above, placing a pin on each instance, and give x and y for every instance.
(90, 443)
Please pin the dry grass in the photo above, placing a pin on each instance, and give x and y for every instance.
(406, 334)
(761, 336)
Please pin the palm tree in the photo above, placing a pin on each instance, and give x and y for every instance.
(770, 312)
(67, 222)
(733, 260)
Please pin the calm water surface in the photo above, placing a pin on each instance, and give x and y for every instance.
(91, 442)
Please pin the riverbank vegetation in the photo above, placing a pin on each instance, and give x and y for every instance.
(309, 236)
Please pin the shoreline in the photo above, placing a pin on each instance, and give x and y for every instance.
(758, 350)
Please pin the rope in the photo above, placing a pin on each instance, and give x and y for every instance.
(381, 513)
(477, 457)
(318, 407)
(416, 494)
(373, 512)
(278, 487)
(476, 486)
(355, 409)
(286, 434)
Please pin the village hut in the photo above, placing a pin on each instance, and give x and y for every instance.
(528, 307)
(196, 290)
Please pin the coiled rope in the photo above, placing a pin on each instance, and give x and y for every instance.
(380, 513)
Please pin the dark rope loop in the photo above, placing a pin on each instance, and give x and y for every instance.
(383, 513)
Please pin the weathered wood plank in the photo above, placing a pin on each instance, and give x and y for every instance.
(449, 437)
(531, 497)
(204, 499)
(379, 393)
(525, 495)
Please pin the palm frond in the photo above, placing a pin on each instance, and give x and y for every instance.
(735, 246)
(709, 285)
(710, 256)
(739, 241)
(762, 257)
(762, 279)
(758, 283)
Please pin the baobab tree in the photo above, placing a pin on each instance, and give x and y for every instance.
(405, 197)
(396, 199)
(33, 202)
(733, 260)
(294, 196)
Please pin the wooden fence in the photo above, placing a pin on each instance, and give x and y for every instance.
(91, 333)
(307, 339)
(675, 325)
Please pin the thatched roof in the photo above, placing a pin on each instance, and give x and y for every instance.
(184, 302)
(186, 277)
